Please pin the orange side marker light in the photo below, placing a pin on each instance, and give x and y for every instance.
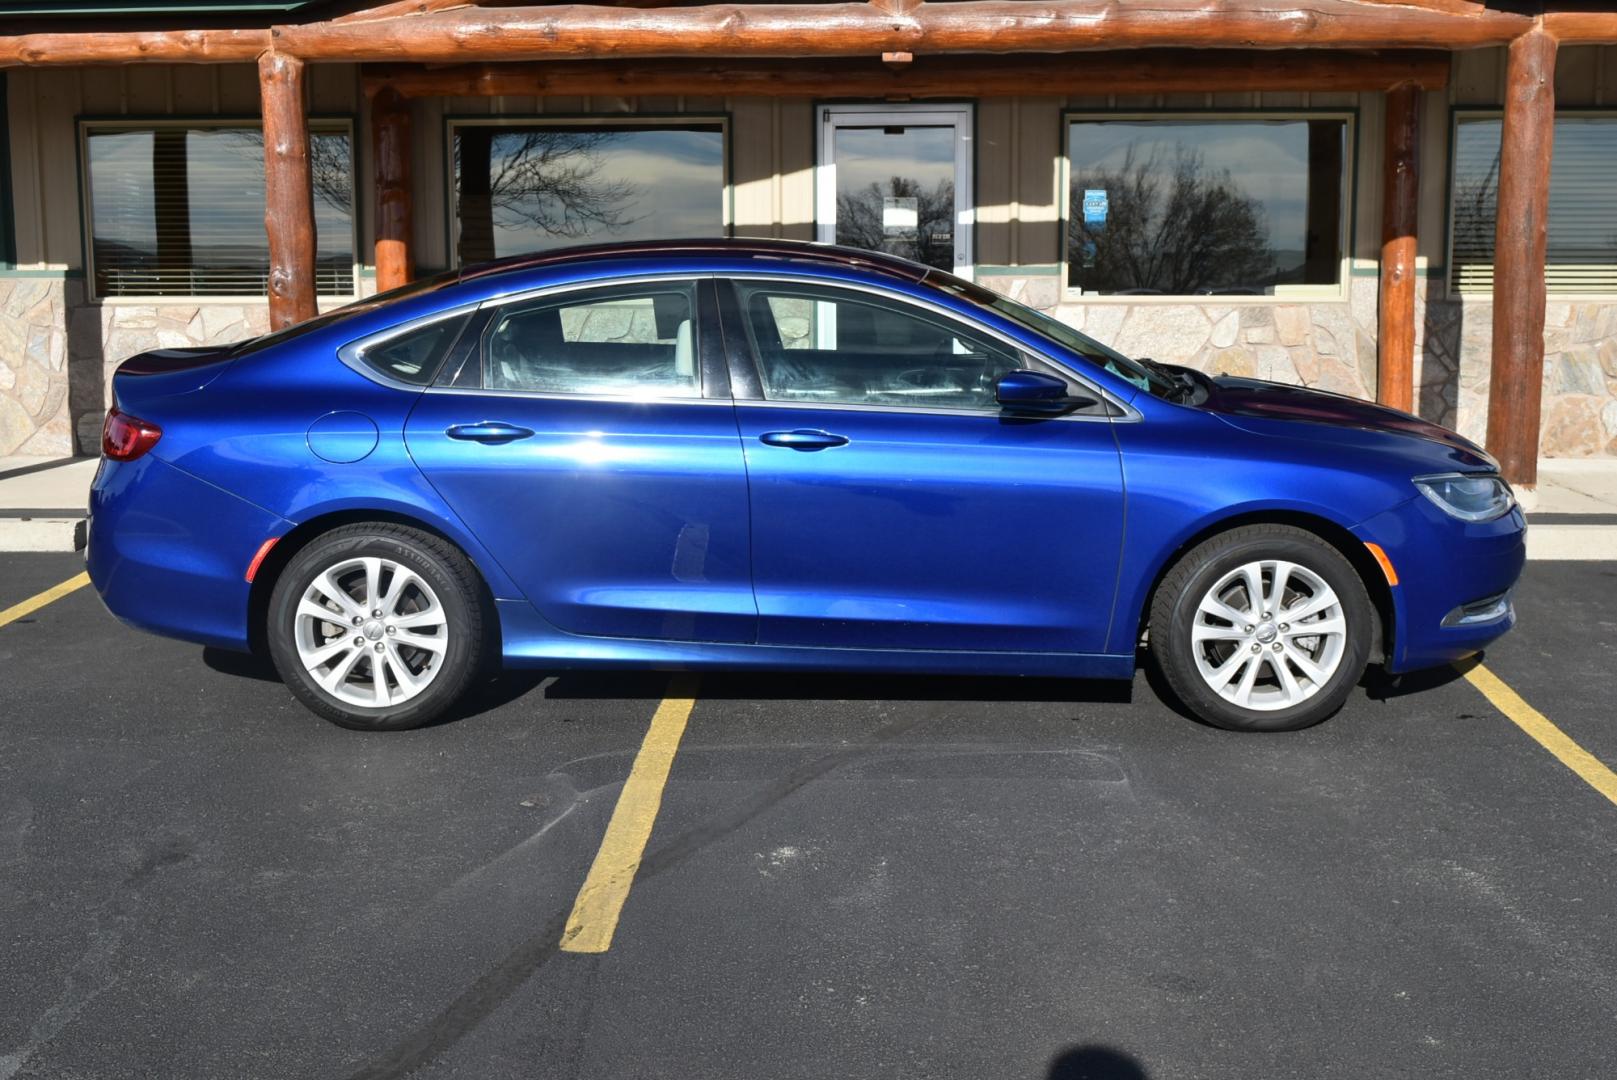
(1381, 557)
(258, 560)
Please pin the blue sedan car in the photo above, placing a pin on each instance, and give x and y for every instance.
(752, 454)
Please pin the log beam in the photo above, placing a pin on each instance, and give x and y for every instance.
(581, 31)
(1142, 71)
(390, 131)
(1582, 27)
(429, 32)
(1515, 385)
(133, 47)
(288, 190)
(1395, 337)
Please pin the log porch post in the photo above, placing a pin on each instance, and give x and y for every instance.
(390, 128)
(288, 190)
(1395, 336)
(1516, 382)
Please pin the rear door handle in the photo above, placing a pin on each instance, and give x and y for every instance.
(488, 431)
(803, 439)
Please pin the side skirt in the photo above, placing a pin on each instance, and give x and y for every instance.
(531, 642)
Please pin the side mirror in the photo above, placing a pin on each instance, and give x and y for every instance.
(1028, 391)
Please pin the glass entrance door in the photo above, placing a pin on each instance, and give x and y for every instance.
(897, 178)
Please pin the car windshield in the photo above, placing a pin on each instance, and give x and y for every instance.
(347, 311)
(1148, 377)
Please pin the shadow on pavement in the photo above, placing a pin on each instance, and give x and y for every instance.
(1095, 1063)
(831, 686)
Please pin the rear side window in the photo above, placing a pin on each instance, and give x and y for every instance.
(629, 340)
(413, 356)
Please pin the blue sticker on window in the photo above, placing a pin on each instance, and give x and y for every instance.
(1095, 205)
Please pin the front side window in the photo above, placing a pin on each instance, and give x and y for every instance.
(178, 210)
(1581, 256)
(1186, 206)
(631, 341)
(533, 186)
(834, 346)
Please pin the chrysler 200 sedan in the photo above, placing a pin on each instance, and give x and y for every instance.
(752, 454)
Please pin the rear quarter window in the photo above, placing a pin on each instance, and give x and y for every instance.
(411, 356)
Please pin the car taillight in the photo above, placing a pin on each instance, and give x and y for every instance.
(125, 437)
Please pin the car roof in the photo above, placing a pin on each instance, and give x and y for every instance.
(829, 255)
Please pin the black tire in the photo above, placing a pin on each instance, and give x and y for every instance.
(450, 578)
(1174, 609)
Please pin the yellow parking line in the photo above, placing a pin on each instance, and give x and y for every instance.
(1593, 771)
(595, 912)
(34, 603)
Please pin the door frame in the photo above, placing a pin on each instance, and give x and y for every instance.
(960, 116)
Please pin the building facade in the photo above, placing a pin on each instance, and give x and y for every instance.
(1236, 230)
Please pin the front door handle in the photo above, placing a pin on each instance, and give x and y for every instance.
(803, 439)
(488, 431)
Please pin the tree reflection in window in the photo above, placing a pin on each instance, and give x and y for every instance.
(529, 187)
(178, 210)
(1182, 207)
(860, 220)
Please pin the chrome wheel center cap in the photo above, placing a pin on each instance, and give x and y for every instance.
(373, 630)
(1266, 632)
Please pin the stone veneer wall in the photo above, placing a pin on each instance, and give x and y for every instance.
(35, 417)
(57, 353)
(1331, 345)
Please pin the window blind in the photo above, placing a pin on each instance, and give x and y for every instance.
(179, 211)
(1582, 226)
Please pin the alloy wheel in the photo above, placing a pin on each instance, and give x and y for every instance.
(1269, 635)
(371, 632)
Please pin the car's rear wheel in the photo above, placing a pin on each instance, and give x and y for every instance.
(1262, 628)
(377, 627)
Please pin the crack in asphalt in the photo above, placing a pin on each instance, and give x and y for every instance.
(483, 997)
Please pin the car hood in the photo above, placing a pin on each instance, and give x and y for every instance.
(1236, 400)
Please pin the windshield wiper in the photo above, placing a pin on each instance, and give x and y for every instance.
(1184, 383)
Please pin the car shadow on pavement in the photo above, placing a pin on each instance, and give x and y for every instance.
(834, 686)
(1092, 1062)
(607, 684)
(486, 696)
(1380, 686)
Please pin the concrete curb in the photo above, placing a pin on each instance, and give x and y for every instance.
(58, 534)
(1579, 543)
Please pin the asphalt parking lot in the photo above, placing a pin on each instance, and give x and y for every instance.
(890, 877)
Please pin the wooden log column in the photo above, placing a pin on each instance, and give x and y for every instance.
(288, 190)
(1395, 338)
(390, 128)
(1515, 385)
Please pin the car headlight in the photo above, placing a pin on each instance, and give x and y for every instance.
(1468, 496)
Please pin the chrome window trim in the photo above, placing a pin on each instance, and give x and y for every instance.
(1128, 414)
(554, 395)
(350, 354)
(539, 291)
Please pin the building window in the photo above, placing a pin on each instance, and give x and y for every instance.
(532, 186)
(178, 209)
(1582, 249)
(1198, 206)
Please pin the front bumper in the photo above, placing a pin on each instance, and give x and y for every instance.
(168, 552)
(1445, 567)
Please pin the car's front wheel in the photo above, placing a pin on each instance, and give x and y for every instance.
(377, 626)
(1262, 628)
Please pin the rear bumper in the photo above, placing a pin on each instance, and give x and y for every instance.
(169, 553)
(1445, 566)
